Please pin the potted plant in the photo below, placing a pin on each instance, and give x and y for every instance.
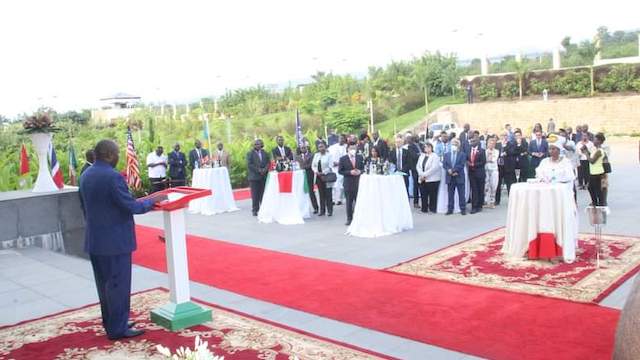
(40, 127)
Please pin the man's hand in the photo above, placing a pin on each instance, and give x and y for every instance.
(450, 172)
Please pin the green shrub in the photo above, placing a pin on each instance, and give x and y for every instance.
(536, 87)
(509, 89)
(572, 83)
(487, 90)
(621, 77)
(347, 119)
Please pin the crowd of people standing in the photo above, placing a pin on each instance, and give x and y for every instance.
(482, 164)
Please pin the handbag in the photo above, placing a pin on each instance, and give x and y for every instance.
(606, 165)
(330, 177)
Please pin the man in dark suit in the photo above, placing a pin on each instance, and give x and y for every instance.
(538, 148)
(401, 158)
(464, 137)
(258, 166)
(381, 145)
(110, 237)
(281, 151)
(177, 164)
(198, 155)
(453, 163)
(477, 174)
(414, 154)
(90, 158)
(351, 166)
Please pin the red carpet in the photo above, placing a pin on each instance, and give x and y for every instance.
(241, 194)
(78, 334)
(484, 322)
(479, 261)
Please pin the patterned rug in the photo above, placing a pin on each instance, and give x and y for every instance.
(78, 334)
(479, 261)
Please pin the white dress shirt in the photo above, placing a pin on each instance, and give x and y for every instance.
(159, 171)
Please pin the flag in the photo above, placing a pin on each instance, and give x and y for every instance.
(56, 174)
(132, 170)
(24, 161)
(73, 165)
(298, 129)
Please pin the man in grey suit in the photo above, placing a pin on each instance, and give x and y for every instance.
(258, 166)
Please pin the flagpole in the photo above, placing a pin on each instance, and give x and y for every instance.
(206, 119)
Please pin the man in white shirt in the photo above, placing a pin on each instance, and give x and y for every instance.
(337, 151)
(157, 167)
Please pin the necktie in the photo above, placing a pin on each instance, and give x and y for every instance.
(282, 152)
(473, 156)
(400, 159)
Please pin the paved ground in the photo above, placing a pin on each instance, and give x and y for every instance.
(35, 282)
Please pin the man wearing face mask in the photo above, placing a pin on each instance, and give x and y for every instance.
(258, 166)
(110, 236)
(350, 167)
(453, 163)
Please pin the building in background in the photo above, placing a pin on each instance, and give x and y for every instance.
(120, 105)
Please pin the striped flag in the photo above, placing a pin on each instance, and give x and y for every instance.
(56, 174)
(298, 129)
(132, 170)
(73, 165)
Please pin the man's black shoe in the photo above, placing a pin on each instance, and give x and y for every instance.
(449, 213)
(128, 334)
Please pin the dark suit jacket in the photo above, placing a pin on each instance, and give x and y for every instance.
(193, 156)
(521, 155)
(477, 170)
(457, 167)
(177, 164)
(464, 142)
(257, 169)
(287, 152)
(350, 182)
(108, 211)
(407, 159)
(85, 167)
(543, 148)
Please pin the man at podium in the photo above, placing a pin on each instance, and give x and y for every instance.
(110, 236)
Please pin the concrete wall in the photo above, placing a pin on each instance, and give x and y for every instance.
(51, 220)
(614, 115)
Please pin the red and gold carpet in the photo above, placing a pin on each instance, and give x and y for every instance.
(479, 261)
(78, 334)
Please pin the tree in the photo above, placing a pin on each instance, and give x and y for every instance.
(521, 72)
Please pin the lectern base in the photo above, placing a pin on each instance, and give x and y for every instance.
(179, 316)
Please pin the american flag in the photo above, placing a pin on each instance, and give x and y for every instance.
(298, 129)
(55, 168)
(133, 171)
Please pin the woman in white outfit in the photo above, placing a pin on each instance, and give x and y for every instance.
(429, 174)
(493, 175)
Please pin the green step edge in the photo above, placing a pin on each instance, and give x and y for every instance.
(175, 317)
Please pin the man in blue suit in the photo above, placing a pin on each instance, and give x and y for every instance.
(453, 163)
(110, 236)
(177, 167)
(538, 148)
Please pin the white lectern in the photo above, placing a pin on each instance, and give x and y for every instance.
(180, 312)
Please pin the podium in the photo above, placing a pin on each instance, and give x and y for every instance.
(180, 312)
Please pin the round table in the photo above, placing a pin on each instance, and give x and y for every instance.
(541, 221)
(286, 198)
(382, 207)
(221, 200)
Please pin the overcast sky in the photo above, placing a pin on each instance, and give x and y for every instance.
(68, 54)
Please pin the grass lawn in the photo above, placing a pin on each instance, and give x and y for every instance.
(405, 120)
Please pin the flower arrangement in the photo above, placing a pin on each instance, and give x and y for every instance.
(38, 123)
(200, 352)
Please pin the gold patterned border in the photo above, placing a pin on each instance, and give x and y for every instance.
(238, 333)
(591, 288)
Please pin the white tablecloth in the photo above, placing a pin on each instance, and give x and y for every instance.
(285, 208)
(382, 207)
(539, 208)
(443, 193)
(221, 200)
